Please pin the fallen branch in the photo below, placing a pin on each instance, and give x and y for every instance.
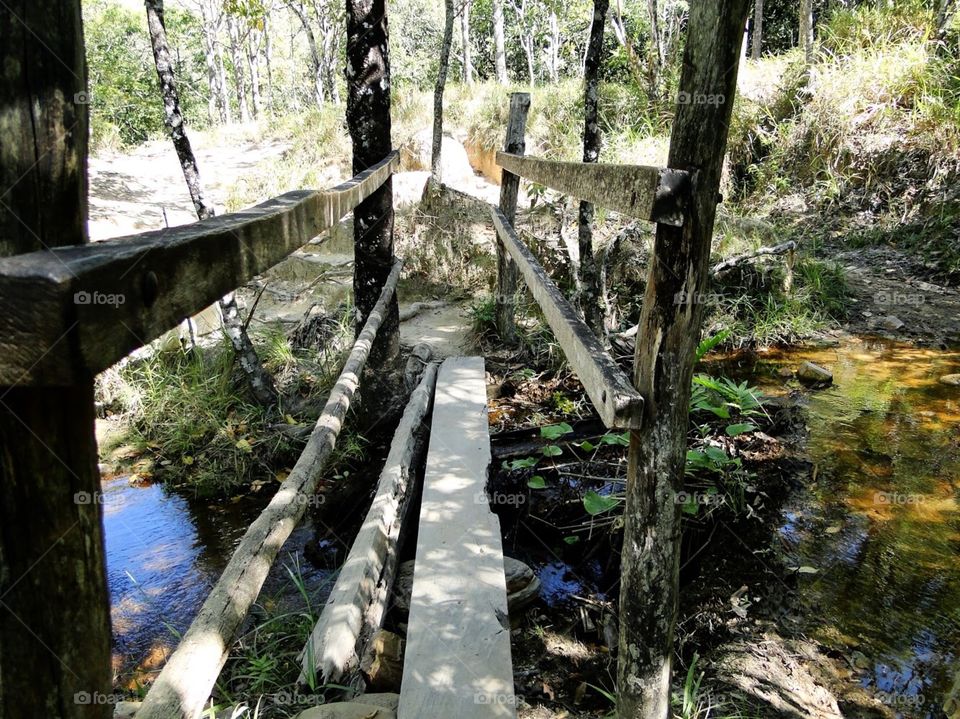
(728, 264)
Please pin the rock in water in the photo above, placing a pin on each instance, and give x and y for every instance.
(951, 379)
(890, 323)
(814, 373)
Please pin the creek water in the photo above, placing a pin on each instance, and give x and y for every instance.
(878, 530)
(164, 554)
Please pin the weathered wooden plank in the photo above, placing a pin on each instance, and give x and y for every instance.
(74, 311)
(651, 193)
(615, 399)
(457, 661)
(334, 647)
(182, 688)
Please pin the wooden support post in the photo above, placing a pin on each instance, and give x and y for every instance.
(509, 188)
(669, 332)
(54, 607)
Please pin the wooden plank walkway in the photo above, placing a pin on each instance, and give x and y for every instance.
(457, 661)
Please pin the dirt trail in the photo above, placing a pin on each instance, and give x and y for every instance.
(130, 191)
(890, 297)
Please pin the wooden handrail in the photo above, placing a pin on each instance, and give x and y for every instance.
(71, 312)
(616, 400)
(184, 684)
(651, 193)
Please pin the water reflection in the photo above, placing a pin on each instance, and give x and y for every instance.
(884, 529)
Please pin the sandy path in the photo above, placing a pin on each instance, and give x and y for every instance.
(129, 192)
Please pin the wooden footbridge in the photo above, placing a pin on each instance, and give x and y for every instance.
(57, 331)
(457, 660)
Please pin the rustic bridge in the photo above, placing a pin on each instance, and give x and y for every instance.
(458, 647)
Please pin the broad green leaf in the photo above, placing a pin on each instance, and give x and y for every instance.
(555, 431)
(733, 430)
(587, 446)
(536, 482)
(551, 450)
(525, 463)
(598, 504)
(572, 539)
(621, 439)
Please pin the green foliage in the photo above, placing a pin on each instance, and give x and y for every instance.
(126, 107)
(595, 504)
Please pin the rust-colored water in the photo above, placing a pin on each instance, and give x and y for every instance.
(883, 529)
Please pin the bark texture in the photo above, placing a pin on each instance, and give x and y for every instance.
(499, 43)
(54, 606)
(670, 326)
(260, 381)
(756, 37)
(589, 277)
(806, 29)
(509, 189)
(368, 119)
(465, 39)
(438, 88)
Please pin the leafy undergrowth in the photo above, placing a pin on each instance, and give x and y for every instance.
(190, 422)
(559, 486)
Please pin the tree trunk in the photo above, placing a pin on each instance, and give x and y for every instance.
(254, 41)
(316, 64)
(670, 326)
(437, 147)
(268, 61)
(214, 112)
(756, 38)
(499, 43)
(226, 109)
(806, 29)
(553, 50)
(948, 9)
(54, 653)
(261, 384)
(465, 36)
(239, 78)
(368, 119)
(589, 278)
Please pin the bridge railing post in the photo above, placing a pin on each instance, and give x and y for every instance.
(54, 606)
(507, 276)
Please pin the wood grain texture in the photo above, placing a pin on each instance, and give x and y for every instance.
(457, 661)
(357, 600)
(651, 193)
(74, 311)
(669, 332)
(505, 308)
(184, 685)
(610, 390)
